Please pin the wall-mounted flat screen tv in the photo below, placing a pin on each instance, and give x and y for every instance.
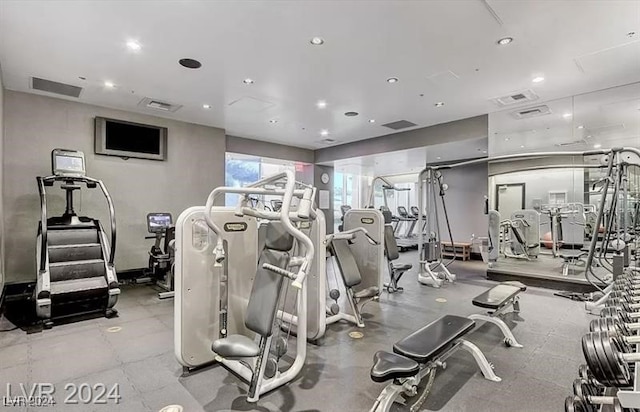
(127, 139)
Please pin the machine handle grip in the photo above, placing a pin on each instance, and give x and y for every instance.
(279, 271)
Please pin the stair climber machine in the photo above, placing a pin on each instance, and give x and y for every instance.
(76, 274)
(230, 285)
(433, 270)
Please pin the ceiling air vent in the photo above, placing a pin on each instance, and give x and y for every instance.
(156, 104)
(516, 98)
(327, 141)
(55, 87)
(531, 112)
(400, 124)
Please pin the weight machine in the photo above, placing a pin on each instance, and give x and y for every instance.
(228, 289)
(433, 271)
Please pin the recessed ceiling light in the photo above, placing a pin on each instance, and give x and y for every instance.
(392, 80)
(537, 79)
(351, 114)
(484, 151)
(438, 158)
(109, 85)
(504, 41)
(439, 104)
(372, 120)
(521, 146)
(567, 115)
(317, 41)
(506, 139)
(273, 121)
(324, 132)
(206, 106)
(321, 104)
(581, 127)
(597, 146)
(247, 81)
(190, 63)
(133, 45)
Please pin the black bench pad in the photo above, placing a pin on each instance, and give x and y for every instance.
(391, 366)
(403, 267)
(433, 339)
(498, 295)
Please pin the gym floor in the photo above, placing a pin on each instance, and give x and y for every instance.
(139, 357)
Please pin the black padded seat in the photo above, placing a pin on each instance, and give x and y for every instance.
(427, 343)
(498, 295)
(369, 292)
(403, 267)
(573, 256)
(238, 346)
(388, 365)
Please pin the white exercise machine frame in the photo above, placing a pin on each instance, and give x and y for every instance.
(252, 369)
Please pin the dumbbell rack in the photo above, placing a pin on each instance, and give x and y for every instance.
(631, 399)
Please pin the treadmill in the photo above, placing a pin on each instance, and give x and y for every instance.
(75, 258)
(409, 240)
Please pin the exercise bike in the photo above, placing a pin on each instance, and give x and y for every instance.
(161, 258)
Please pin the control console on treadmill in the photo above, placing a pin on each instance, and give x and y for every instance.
(67, 163)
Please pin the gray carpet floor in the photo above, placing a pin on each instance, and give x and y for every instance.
(135, 351)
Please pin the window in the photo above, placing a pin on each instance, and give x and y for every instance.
(240, 170)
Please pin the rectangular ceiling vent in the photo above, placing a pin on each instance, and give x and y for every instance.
(531, 112)
(327, 141)
(516, 98)
(160, 105)
(50, 86)
(400, 124)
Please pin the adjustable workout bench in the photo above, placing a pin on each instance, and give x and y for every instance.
(419, 355)
(498, 299)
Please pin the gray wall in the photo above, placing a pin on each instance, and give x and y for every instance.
(317, 172)
(34, 125)
(266, 149)
(465, 202)
(471, 128)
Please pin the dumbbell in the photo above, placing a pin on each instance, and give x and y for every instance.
(608, 359)
(615, 311)
(624, 294)
(591, 403)
(623, 303)
(625, 284)
(615, 327)
(621, 287)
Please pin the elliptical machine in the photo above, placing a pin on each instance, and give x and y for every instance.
(76, 273)
(161, 258)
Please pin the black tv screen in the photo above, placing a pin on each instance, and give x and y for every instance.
(127, 139)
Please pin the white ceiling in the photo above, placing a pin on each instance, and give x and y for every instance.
(444, 50)
(608, 118)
